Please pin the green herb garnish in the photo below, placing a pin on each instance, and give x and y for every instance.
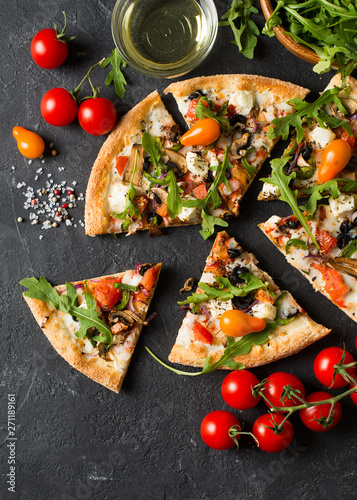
(245, 31)
(349, 250)
(329, 188)
(308, 111)
(116, 75)
(224, 290)
(68, 304)
(203, 111)
(281, 180)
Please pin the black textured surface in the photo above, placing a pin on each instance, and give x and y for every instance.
(75, 439)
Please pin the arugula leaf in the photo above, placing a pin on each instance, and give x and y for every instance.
(308, 111)
(329, 188)
(202, 111)
(245, 35)
(214, 292)
(150, 146)
(67, 303)
(249, 168)
(116, 75)
(173, 201)
(281, 180)
(233, 349)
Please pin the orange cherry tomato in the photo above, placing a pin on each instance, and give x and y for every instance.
(30, 144)
(202, 133)
(236, 323)
(334, 158)
(105, 294)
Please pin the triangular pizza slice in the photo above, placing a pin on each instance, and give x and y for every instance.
(319, 140)
(95, 324)
(330, 266)
(145, 178)
(231, 282)
(245, 106)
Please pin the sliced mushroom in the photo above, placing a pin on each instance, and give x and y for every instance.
(102, 350)
(344, 265)
(134, 317)
(139, 157)
(350, 105)
(116, 316)
(239, 146)
(190, 283)
(335, 111)
(159, 195)
(176, 161)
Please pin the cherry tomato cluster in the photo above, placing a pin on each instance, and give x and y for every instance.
(284, 394)
(59, 106)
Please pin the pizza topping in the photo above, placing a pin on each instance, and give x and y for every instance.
(334, 285)
(236, 323)
(243, 100)
(239, 145)
(196, 164)
(334, 158)
(201, 334)
(202, 133)
(343, 206)
(345, 265)
(264, 310)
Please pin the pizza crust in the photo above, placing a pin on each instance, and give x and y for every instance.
(96, 368)
(283, 342)
(285, 90)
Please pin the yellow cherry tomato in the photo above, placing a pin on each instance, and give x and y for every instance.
(30, 144)
(202, 133)
(334, 158)
(236, 323)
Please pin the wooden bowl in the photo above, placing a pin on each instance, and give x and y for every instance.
(297, 49)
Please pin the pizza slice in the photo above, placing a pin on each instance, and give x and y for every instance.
(329, 266)
(232, 281)
(95, 324)
(306, 152)
(245, 106)
(145, 179)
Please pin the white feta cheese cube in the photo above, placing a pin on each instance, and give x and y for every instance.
(269, 190)
(264, 310)
(343, 205)
(243, 100)
(196, 164)
(188, 214)
(322, 136)
(218, 307)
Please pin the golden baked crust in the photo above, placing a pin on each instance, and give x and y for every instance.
(285, 90)
(96, 368)
(282, 342)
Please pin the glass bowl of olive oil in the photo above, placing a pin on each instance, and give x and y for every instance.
(164, 38)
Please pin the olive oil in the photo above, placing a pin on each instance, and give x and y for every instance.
(164, 31)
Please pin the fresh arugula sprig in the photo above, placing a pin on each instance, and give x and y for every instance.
(328, 28)
(329, 188)
(212, 199)
(131, 209)
(233, 349)
(224, 290)
(306, 112)
(245, 31)
(116, 75)
(150, 145)
(281, 180)
(68, 303)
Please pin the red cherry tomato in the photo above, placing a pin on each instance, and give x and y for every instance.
(274, 387)
(30, 144)
(58, 107)
(312, 416)
(334, 158)
(47, 50)
(104, 293)
(237, 389)
(324, 367)
(269, 440)
(236, 323)
(215, 427)
(97, 116)
(202, 133)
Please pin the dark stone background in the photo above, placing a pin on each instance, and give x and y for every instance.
(77, 440)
